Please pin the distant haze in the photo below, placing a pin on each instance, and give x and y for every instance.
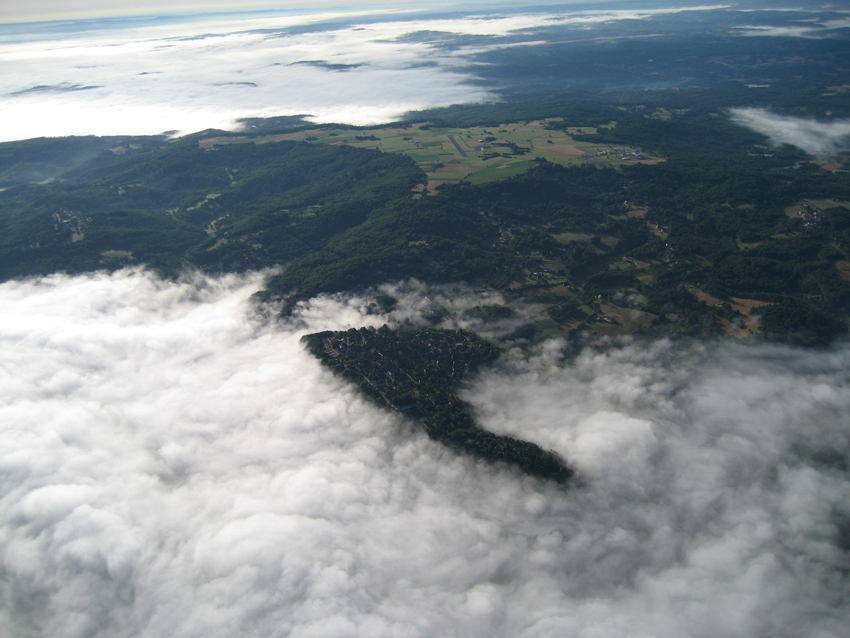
(129, 76)
(86, 9)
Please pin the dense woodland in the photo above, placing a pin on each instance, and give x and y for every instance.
(712, 217)
(177, 206)
(418, 373)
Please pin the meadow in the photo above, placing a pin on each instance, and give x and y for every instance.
(478, 154)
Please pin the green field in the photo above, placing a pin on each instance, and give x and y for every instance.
(477, 154)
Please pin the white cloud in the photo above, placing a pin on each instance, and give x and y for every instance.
(146, 83)
(193, 75)
(815, 28)
(817, 138)
(170, 464)
(774, 31)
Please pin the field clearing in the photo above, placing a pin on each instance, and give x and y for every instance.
(566, 238)
(658, 232)
(477, 154)
(583, 130)
(826, 204)
(704, 296)
(564, 149)
(552, 264)
(732, 330)
(637, 263)
(746, 306)
(742, 245)
(794, 211)
(617, 321)
(492, 173)
(561, 290)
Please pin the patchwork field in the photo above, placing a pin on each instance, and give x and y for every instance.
(477, 155)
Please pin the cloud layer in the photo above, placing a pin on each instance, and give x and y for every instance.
(815, 29)
(187, 76)
(817, 138)
(171, 463)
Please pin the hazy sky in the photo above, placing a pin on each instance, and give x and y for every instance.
(63, 9)
(67, 9)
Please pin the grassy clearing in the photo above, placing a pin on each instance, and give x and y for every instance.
(746, 306)
(566, 238)
(478, 154)
(615, 321)
(492, 173)
(826, 204)
(704, 296)
(794, 211)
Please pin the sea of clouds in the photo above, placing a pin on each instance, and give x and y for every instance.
(187, 76)
(173, 463)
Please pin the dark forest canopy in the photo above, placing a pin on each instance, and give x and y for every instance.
(696, 244)
(176, 206)
(418, 373)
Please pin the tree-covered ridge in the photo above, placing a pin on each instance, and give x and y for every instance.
(418, 373)
(173, 205)
(685, 241)
(44, 158)
(698, 244)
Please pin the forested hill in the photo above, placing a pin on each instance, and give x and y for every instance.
(700, 249)
(418, 373)
(734, 237)
(173, 205)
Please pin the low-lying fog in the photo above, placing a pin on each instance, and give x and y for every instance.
(174, 464)
(133, 76)
(817, 138)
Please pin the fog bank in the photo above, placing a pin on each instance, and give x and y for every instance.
(175, 464)
(817, 138)
(135, 76)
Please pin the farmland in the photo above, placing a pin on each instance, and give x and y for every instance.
(477, 155)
